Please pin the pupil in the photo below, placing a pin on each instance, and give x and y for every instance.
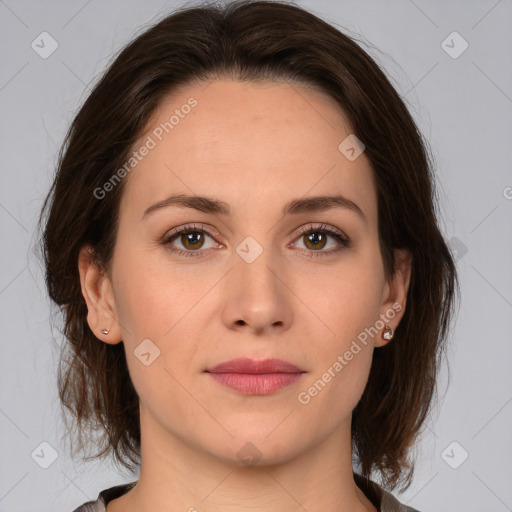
(190, 238)
(315, 238)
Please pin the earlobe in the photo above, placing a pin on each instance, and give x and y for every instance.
(393, 305)
(97, 292)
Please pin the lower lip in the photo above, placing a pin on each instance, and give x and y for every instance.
(256, 384)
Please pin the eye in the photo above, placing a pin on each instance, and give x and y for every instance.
(192, 239)
(315, 239)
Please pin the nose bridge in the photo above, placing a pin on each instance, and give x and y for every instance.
(256, 267)
(257, 293)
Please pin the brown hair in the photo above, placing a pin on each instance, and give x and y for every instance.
(249, 41)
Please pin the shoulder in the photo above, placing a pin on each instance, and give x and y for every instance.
(99, 505)
(383, 500)
(391, 504)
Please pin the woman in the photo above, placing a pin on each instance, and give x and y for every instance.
(242, 236)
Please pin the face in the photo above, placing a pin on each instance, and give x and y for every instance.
(257, 270)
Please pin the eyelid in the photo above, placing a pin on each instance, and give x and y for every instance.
(194, 226)
(321, 227)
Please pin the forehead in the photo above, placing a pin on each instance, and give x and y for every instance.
(248, 143)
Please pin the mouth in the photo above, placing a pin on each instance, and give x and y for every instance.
(251, 377)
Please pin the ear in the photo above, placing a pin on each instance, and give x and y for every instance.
(395, 294)
(98, 294)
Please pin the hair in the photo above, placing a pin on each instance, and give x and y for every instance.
(250, 41)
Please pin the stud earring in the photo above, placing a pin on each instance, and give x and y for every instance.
(105, 331)
(388, 333)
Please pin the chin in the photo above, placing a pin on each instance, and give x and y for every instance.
(256, 450)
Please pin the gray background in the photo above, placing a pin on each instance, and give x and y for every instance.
(464, 107)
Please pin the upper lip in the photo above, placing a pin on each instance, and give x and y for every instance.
(246, 365)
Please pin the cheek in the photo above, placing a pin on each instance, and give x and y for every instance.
(150, 298)
(140, 304)
(341, 361)
(159, 304)
(348, 299)
(151, 306)
(347, 303)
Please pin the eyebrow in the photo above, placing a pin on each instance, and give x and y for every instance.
(294, 207)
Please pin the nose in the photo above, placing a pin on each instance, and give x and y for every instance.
(257, 296)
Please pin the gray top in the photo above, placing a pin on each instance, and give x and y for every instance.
(383, 500)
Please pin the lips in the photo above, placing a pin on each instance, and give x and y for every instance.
(251, 366)
(251, 377)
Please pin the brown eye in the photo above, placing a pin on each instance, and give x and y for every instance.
(316, 240)
(192, 240)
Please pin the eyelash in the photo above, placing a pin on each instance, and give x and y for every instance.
(321, 228)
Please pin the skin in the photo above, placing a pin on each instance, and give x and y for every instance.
(255, 147)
